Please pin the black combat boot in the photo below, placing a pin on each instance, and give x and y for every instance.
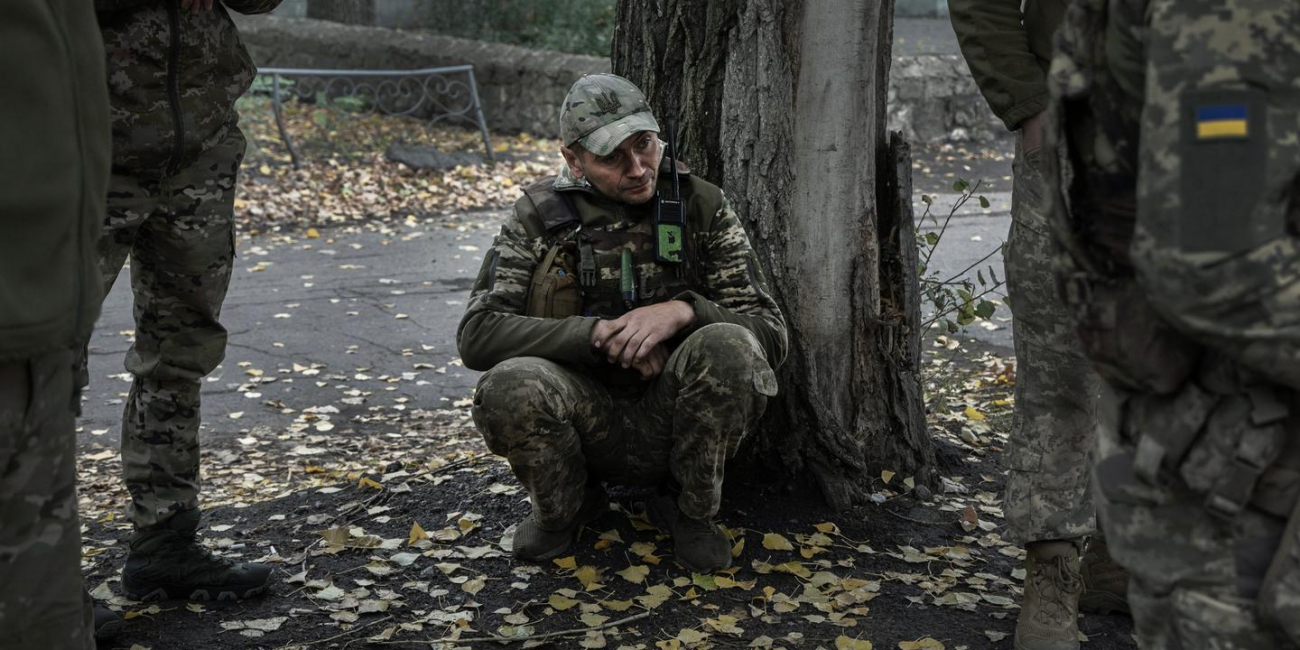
(169, 561)
(108, 623)
(699, 544)
(535, 544)
(1105, 582)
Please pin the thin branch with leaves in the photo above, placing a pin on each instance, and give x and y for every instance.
(957, 301)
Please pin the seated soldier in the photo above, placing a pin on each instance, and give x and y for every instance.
(627, 333)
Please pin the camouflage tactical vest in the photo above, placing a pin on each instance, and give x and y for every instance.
(1097, 123)
(1094, 75)
(586, 236)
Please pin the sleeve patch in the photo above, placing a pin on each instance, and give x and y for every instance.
(1218, 121)
(1224, 159)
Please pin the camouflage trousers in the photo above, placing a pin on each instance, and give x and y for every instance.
(1199, 578)
(180, 235)
(42, 600)
(560, 428)
(1047, 493)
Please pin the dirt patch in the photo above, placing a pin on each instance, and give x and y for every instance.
(398, 544)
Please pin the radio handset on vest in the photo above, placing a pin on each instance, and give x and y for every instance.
(670, 213)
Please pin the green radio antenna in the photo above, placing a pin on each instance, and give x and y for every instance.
(670, 214)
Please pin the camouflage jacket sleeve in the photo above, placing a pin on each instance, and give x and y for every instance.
(995, 43)
(249, 7)
(735, 288)
(1214, 246)
(494, 328)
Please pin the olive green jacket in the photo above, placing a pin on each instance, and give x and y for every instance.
(173, 77)
(53, 175)
(1008, 52)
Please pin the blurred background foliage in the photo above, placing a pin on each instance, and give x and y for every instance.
(576, 26)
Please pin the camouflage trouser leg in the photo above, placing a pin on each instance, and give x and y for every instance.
(559, 428)
(179, 233)
(1195, 577)
(545, 419)
(1052, 430)
(41, 594)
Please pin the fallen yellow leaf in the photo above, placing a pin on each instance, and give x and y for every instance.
(635, 574)
(921, 644)
(775, 542)
(737, 549)
(848, 643)
(417, 534)
(588, 575)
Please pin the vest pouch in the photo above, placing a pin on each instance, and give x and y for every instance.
(1129, 343)
(553, 292)
(1278, 604)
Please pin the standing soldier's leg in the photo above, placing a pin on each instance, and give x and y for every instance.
(180, 269)
(1052, 429)
(42, 600)
(181, 262)
(129, 203)
(712, 392)
(549, 422)
(1048, 504)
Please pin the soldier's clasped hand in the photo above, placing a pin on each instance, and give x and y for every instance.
(630, 339)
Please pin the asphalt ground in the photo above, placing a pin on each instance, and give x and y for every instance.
(363, 315)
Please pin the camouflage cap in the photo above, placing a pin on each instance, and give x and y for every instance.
(602, 110)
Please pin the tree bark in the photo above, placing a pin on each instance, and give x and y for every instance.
(782, 102)
(351, 12)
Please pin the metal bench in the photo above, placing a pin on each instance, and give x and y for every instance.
(447, 94)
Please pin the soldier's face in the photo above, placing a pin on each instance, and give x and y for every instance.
(627, 174)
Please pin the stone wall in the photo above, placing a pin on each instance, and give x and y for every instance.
(931, 97)
(521, 89)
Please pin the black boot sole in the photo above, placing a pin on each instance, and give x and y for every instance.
(177, 592)
(1103, 603)
(108, 630)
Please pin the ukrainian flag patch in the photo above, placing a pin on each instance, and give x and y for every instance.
(1220, 121)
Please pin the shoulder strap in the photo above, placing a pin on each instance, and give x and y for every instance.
(555, 210)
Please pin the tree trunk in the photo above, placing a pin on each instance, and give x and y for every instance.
(782, 102)
(351, 12)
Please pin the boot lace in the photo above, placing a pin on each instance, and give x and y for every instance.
(1057, 586)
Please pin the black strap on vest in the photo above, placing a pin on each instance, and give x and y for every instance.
(558, 213)
(556, 209)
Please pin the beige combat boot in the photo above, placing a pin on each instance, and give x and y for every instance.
(1105, 582)
(1049, 614)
